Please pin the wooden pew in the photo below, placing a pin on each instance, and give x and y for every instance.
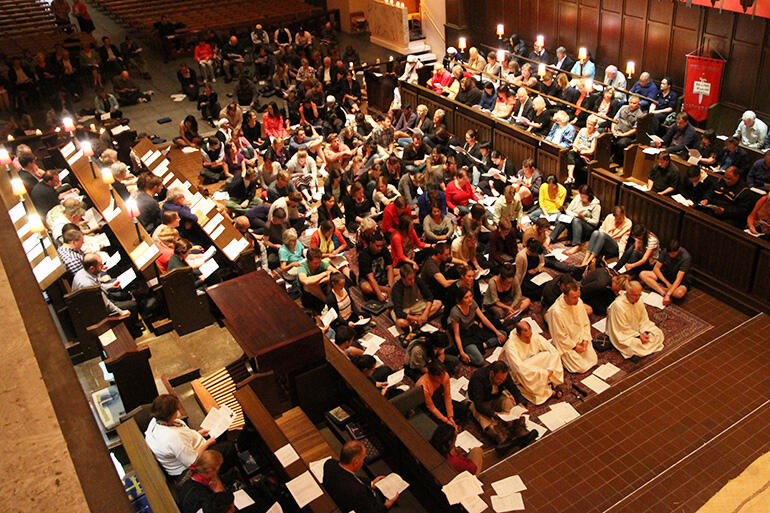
(148, 471)
(221, 231)
(86, 308)
(275, 438)
(188, 310)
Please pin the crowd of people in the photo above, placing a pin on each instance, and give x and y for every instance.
(362, 214)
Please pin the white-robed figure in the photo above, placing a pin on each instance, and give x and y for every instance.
(410, 71)
(535, 363)
(629, 327)
(571, 330)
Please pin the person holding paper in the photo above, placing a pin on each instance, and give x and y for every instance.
(641, 251)
(492, 392)
(176, 446)
(473, 332)
(664, 175)
(730, 200)
(443, 440)
(243, 192)
(70, 251)
(88, 276)
(751, 131)
(176, 201)
(375, 268)
(600, 287)
(503, 299)
(669, 277)
(328, 238)
(503, 245)
(570, 330)
(182, 253)
(404, 242)
(413, 303)
(313, 275)
(536, 363)
(585, 211)
(459, 192)
(759, 174)
(629, 327)
(680, 137)
(465, 251)
(759, 219)
(437, 392)
(342, 302)
(528, 182)
(437, 227)
(346, 489)
(610, 239)
(201, 489)
(697, 185)
(550, 198)
(529, 263)
(167, 237)
(583, 148)
(733, 155)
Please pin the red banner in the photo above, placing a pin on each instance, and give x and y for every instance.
(752, 7)
(701, 85)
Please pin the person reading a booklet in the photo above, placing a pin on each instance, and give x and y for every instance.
(348, 491)
(570, 328)
(536, 364)
(492, 392)
(629, 327)
(503, 301)
(669, 277)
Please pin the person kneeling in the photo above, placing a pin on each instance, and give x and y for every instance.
(629, 327)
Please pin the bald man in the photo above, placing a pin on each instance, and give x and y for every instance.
(535, 363)
(645, 87)
(629, 327)
(348, 490)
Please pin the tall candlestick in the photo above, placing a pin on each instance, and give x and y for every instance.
(500, 30)
(630, 68)
(462, 44)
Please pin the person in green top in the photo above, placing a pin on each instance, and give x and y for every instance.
(313, 275)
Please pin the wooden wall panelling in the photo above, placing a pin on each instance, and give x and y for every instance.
(568, 23)
(512, 147)
(588, 27)
(552, 160)
(662, 12)
(719, 251)
(632, 43)
(738, 79)
(410, 97)
(761, 285)
(636, 8)
(610, 28)
(547, 21)
(432, 105)
(661, 218)
(465, 121)
(605, 187)
(657, 44)
(615, 6)
(683, 41)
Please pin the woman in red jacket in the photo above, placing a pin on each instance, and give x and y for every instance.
(404, 241)
(204, 56)
(459, 192)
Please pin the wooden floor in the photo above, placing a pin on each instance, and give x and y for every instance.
(666, 438)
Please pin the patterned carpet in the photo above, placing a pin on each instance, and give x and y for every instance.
(678, 325)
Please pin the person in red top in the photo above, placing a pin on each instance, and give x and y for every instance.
(441, 78)
(459, 192)
(443, 440)
(391, 213)
(204, 56)
(272, 122)
(404, 241)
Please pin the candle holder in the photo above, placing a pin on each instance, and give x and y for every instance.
(132, 211)
(19, 190)
(582, 53)
(88, 151)
(500, 31)
(462, 44)
(69, 126)
(36, 226)
(630, 68)
(108, 179)
(5, 160)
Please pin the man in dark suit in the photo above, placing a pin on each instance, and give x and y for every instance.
(112, 60)
(44, 195)
(346, 489)
(522, 108)
(563, 61)
(539, 54)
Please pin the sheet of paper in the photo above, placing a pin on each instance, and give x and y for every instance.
(393, 330)
(483, 287)
(218, 421)
(391, 485)
(29, 245)
(168, 178)
(371, 338)
(481, 272)
(601, 325)
(606, 371)
(45, 267)
(651, 151)
(111, 213)
(161, 168)
(286, 455)
(363, 321)
(474, 504)
(145, 257)
(126, 278)
(654, 299)
(516, 412)
(208, 267)
(189, 149)
(24, 230)
(17, 212)
(488, 201)
(512, 502)
(752, 234)
(67, 149)
(107, 338)
(467, 441)
(541, 430)
(241, 499)
(495, 354)
(304, 489)
(317, 468)
(553, 217)
(275, 508)
(682, 200)
(428, 328)
(655, 138)
(509, 485)
(542, 278)
(533, 324)
(75, 157)
(329, 317)
(463, 485)
(396, 378)
(232, 250)
(112, 261)
(213, 223)
(595, 384)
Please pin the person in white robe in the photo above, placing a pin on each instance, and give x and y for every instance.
(535, 363)
(570, 330)
(629, 327)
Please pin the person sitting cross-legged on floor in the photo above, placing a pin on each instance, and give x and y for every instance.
(629, 327)
(438, 396)
(536, 364)
(503, 299)
(313, 275)
(472, 331)
(669, 277)
(413, 302)
(492, 391)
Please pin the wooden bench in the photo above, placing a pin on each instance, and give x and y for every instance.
(143, 462)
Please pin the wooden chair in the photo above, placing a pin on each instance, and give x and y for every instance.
(188, 311)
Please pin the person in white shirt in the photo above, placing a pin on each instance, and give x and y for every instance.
(751, 130)
(616, 80)
(175, 446)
